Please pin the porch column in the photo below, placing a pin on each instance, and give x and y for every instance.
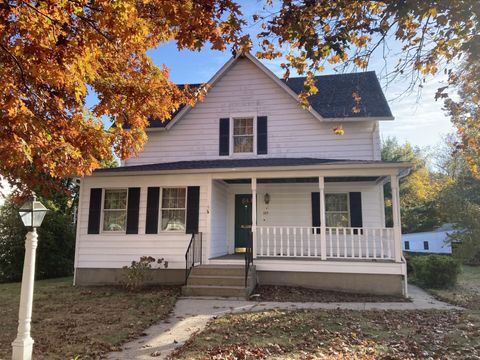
(254, 217)
(323, 225)
(397, 228)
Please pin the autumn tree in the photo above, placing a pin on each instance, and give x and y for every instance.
(53, 53)
(418, 190)
(459, 201)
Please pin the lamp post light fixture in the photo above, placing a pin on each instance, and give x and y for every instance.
(32, 214)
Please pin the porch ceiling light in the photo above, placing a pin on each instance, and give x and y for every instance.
(266, 198)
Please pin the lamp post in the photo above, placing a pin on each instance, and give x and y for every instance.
(32, 214)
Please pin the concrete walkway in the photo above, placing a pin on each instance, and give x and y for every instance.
(191, 315)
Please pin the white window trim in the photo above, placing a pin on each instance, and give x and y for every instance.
(339, 212)
(160, 209)
(237, 116)
(102, 213)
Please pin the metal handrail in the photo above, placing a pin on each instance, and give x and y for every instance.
(193, 255)
(248, 257)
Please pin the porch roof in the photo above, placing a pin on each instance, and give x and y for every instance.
(259, 163)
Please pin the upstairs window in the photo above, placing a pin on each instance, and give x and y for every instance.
(407, 245)
(425, 245)
(115, 210)
(173, 209)
(243, 136)
(336, 210)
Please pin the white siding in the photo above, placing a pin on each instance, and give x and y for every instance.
(438, 242)
(290, 205)
(219, 242)
(292, 131)
(114, 250)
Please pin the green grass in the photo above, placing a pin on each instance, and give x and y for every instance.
(85, 321)
(337, 334)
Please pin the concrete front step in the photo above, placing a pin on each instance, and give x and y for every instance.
(220, 281)
(216, 280)
(215, 291)
(222, 270)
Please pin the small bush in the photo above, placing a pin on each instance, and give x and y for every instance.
(436, 271)
(137, 273)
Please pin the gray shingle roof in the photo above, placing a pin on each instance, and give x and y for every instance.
(334, 98)
(236, 163)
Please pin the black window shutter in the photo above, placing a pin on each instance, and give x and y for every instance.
(262, 135)
(316, 211)
(132, 210)
(151, 223)
(193, 208)
(224, 137)
(94, 210)
(356, 209)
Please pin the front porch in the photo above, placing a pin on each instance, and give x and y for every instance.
(323, 218)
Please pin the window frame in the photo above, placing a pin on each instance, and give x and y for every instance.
(338, 212)
(254, 135)
(161, 209)
(102, 214)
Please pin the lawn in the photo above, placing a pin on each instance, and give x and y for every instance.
(467, 291)
(344, 334)
(84, 321)
(338, 334)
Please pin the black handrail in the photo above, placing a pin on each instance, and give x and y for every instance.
(248, 256)
(193, 255)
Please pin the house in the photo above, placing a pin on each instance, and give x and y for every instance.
(434, 242)
(248, 183)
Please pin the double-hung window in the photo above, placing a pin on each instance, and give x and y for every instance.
(115, 210)
(336, 210)
(173, 209)
(243, 135)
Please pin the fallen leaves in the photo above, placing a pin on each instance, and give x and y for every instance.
(337, 334)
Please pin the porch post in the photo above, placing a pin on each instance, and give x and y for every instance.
(323, 225)
(254, 217)
(397, 228)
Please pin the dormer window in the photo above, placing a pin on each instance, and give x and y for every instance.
(243, 135)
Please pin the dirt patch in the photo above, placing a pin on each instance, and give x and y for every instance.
(300, 294)
(82, 321)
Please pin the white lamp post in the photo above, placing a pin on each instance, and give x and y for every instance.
(32, 214)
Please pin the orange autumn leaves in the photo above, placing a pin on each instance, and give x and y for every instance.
(55, 53)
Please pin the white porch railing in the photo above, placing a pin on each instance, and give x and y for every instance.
(341, 243)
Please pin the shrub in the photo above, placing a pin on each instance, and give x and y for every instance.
(137, 273)
(55, 251)
(436, 271)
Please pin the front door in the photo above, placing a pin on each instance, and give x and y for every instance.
(243, 221)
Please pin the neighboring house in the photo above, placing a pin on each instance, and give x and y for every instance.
(318, 219)
(436, 241)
